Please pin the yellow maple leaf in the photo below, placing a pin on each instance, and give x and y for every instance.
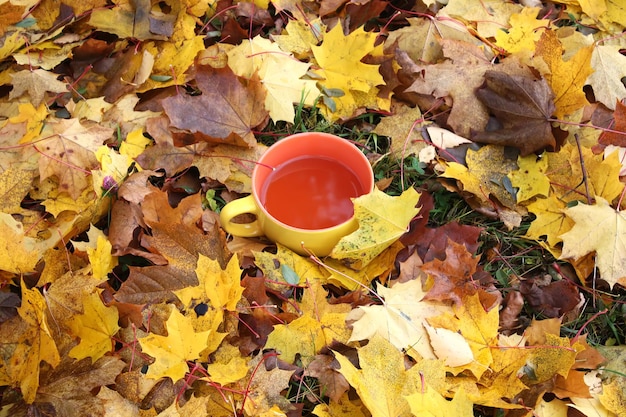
(20, 253)
(489, 16)
(99, 252)
(566, 176)
(550, 221)
(400, 319)
(95, 328)
(172, 352)
(485, 174)
(46, 55)
(382, 381)
(555, 357)
(347, 277)
(320, 324)
(477, 326)
(134, 144)
(172, 59)
(288, 267)
(523, 33)
(602, 229)
(382, 220)
(339, 58)
(428, 402)
(530, 178)
(405, 133)
(221, 288)
(57, 202)
(228, 365)
(34, 118)
(299, 35)
(12, 43)
(280, 73)
(566, 78)
(38, 345)
(345, 408)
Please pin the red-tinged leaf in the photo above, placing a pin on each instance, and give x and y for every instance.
(227, 111)
(523, 106)
(613, 137)
(457, 277)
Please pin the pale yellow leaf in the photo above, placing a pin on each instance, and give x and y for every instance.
(382, 220)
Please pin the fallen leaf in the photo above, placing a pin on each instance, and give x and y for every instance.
(266, 387)
(68, 388)
(428, 402)
(32, 344)
(606, 80)
(382, 382)
(280, 73)
(36, 83)
(523, 33)
(95, 328)
(453, 278)
(228, 366)
(404, 129)
(273, 266)
(298, 35)
(617, 135)
(400, 319)
(322, 368)
(343, 407)
(566, 175)
(237, 109)
(172, 352)
(566, 78)
(598, 228)
(346, 73)
(490, 16)
(523, 105)
(130, 20)
(382, 220)
(422, 38)
(485, 174)
(319, 325)
(465, 62)
(449, 346)
(530, 178)
(553, 300)
(70, 154)
(115, 404)
(477, 326)
(176, 242)
(219, 287)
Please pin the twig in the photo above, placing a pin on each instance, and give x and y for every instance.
(584, 170)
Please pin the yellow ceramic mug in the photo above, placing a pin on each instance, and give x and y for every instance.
(301, 193)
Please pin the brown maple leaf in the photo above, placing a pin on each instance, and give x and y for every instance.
(459, 276)
(523, 105)
(176, 238)
(227, 111)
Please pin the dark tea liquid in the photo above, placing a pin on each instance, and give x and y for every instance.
(311, 192)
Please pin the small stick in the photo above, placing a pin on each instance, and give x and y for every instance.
(584, 170)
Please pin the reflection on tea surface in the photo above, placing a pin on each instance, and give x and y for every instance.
(311, 192)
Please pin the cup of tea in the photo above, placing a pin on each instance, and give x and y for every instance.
(302, 188)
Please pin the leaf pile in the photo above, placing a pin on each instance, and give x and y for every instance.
(125, 125)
